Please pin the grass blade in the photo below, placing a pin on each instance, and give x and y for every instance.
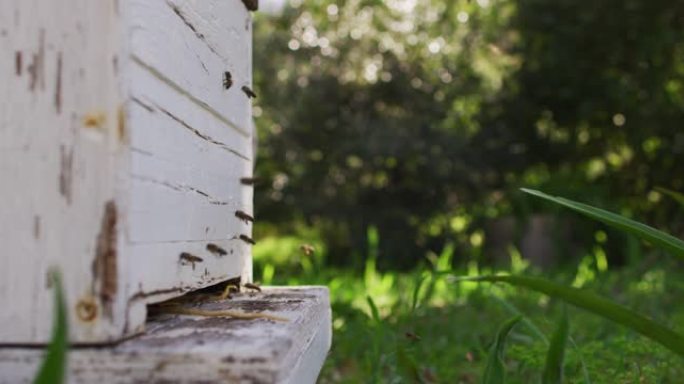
(416, 292)
(537, 332)
(374, 309)
(53, 367)
(525, 320)
(657, 238)
(676, 196)
(495, 371)
(595, 304)
(553, 369)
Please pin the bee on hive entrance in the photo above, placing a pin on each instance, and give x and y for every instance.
(248, 91)
(227, 80)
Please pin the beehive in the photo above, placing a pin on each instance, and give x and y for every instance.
(125, 141)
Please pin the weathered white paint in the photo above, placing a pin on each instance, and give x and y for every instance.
(119, 150)
(192, 349)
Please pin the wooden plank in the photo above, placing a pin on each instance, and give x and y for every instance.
(61, 154)
(191, 143)
(192, 349)
(190, 44)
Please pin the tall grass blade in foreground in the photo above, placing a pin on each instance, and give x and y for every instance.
(374, 309)
(595, 304)
(553, 368)
(415, 298)
(676, 196)
(643, 231)
(495, 371)
(53, 368)
(538, 333)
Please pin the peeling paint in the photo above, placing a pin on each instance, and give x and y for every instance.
(105, 274)
(36, 69)
(66, 172)
(58, 84)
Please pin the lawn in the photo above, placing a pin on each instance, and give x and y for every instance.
(428, 328)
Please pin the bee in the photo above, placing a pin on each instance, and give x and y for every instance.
(308, 249)
(230, 289)
(227, 80)
(253, 287)
(251, 5)
(412, 336)
(232, 286)
(247, 239)
(249, 180)
(248, 91)
(215, 249)
(188, 258)
(244, 216)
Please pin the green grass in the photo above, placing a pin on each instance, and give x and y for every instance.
(53, 367)
(457, 324)
(438, 324)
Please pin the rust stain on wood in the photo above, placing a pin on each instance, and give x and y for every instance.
(86, 309)
(94, 120)
(58, 84)
(18, 63)
(105, 264)
(37, 67)
(121, 124)
(66, 172)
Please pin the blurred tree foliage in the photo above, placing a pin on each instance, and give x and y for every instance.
(400, 114)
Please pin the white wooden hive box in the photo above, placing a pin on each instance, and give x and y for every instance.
(122, 149)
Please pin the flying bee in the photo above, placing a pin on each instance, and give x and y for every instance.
(227, 80)
(412, 336)
(308, 249)
(247, 239)
(253, 287)
(188, 258)
(251, 5)
(244, 216)
(215, 249)
(248, 91)
(249, 180)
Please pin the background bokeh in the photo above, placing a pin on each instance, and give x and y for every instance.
(394, 135)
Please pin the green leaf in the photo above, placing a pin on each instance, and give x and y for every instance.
(595, 304)
(553, 369)
(53, 368)
(374, 309)
(643, 231)
(495, 371)
(678, 197)
(416, 292)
